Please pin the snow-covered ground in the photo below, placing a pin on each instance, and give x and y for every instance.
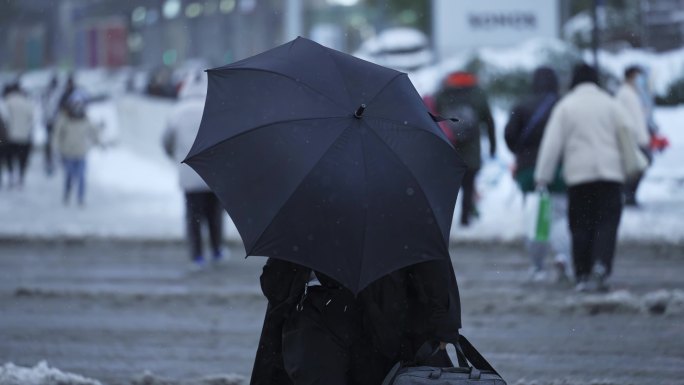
(133, 193)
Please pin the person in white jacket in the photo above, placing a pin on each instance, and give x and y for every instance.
(628, 96)
(582, 132)
(20, 117)
(201, 205)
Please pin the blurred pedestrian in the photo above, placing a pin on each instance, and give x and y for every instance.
(201, 205)
(50, 104)
(69, 88)
(73, 137)
(462, 98)
(318, 332)
(20, 121)
(582, 133)
(523, 134)
(628, 95)
(4, 146)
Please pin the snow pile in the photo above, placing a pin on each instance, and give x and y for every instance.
(664, 302)
(661, 302)
(524, 381)
(525, 56)
(664, 67)
(149, 378)
(41, 374)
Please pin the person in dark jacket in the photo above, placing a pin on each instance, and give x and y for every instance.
(523, 134)
(5, 160)
(462, 98)
(317, 332)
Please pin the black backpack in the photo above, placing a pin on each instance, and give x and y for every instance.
(467, 127)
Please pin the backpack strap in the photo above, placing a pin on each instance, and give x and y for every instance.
(544, 107)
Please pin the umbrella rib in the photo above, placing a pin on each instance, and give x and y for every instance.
(432, 209)
(257, 239)
(365, 216)
(332, 58)
(260, 127)
(287, 77)
(411, 126)
(395, 77)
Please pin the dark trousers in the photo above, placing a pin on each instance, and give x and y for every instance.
(630, 189)
(47, 150)
(19, 153)
(5, 161)
(317, 339)
(594, 211)
(468, 197)
(203, 207)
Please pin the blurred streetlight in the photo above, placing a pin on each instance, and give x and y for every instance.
(598, 18)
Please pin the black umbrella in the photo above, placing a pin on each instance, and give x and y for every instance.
(328, 161)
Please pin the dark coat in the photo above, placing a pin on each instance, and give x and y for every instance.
(466, 133)
(523, 136)
(398, 313)
(544, 87)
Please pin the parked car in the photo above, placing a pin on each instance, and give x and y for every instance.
(401, 48)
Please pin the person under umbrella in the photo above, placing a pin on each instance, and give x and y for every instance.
(333, 167)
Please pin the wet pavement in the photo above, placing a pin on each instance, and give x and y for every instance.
(111, 311)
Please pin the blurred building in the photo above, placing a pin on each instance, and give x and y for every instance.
(459, 25)
(663, 24)
(173, 33)
(148, 33)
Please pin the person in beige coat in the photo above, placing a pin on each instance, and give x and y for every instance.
(20, 119)
(582, 132)
(74, 136)
(629, 98)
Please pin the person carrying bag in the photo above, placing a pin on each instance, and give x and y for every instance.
(479, 372)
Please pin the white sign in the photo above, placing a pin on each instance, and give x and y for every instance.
(465, 24)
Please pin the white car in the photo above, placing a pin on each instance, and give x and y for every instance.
(404, 49)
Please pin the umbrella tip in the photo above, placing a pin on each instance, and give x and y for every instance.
(359, 111)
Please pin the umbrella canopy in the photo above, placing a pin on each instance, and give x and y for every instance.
(328, 161)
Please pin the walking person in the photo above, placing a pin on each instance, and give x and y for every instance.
(583, 134)
(628, 96)
(462, 98)
(317, 332)
(50, 104)
(20, 121)
(4, 147)
(74, 136)
(523, 134)
(202, 207)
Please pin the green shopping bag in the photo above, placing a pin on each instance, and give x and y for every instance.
(537, 215)
(543, 222)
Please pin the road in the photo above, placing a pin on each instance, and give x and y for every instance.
(111, 311)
